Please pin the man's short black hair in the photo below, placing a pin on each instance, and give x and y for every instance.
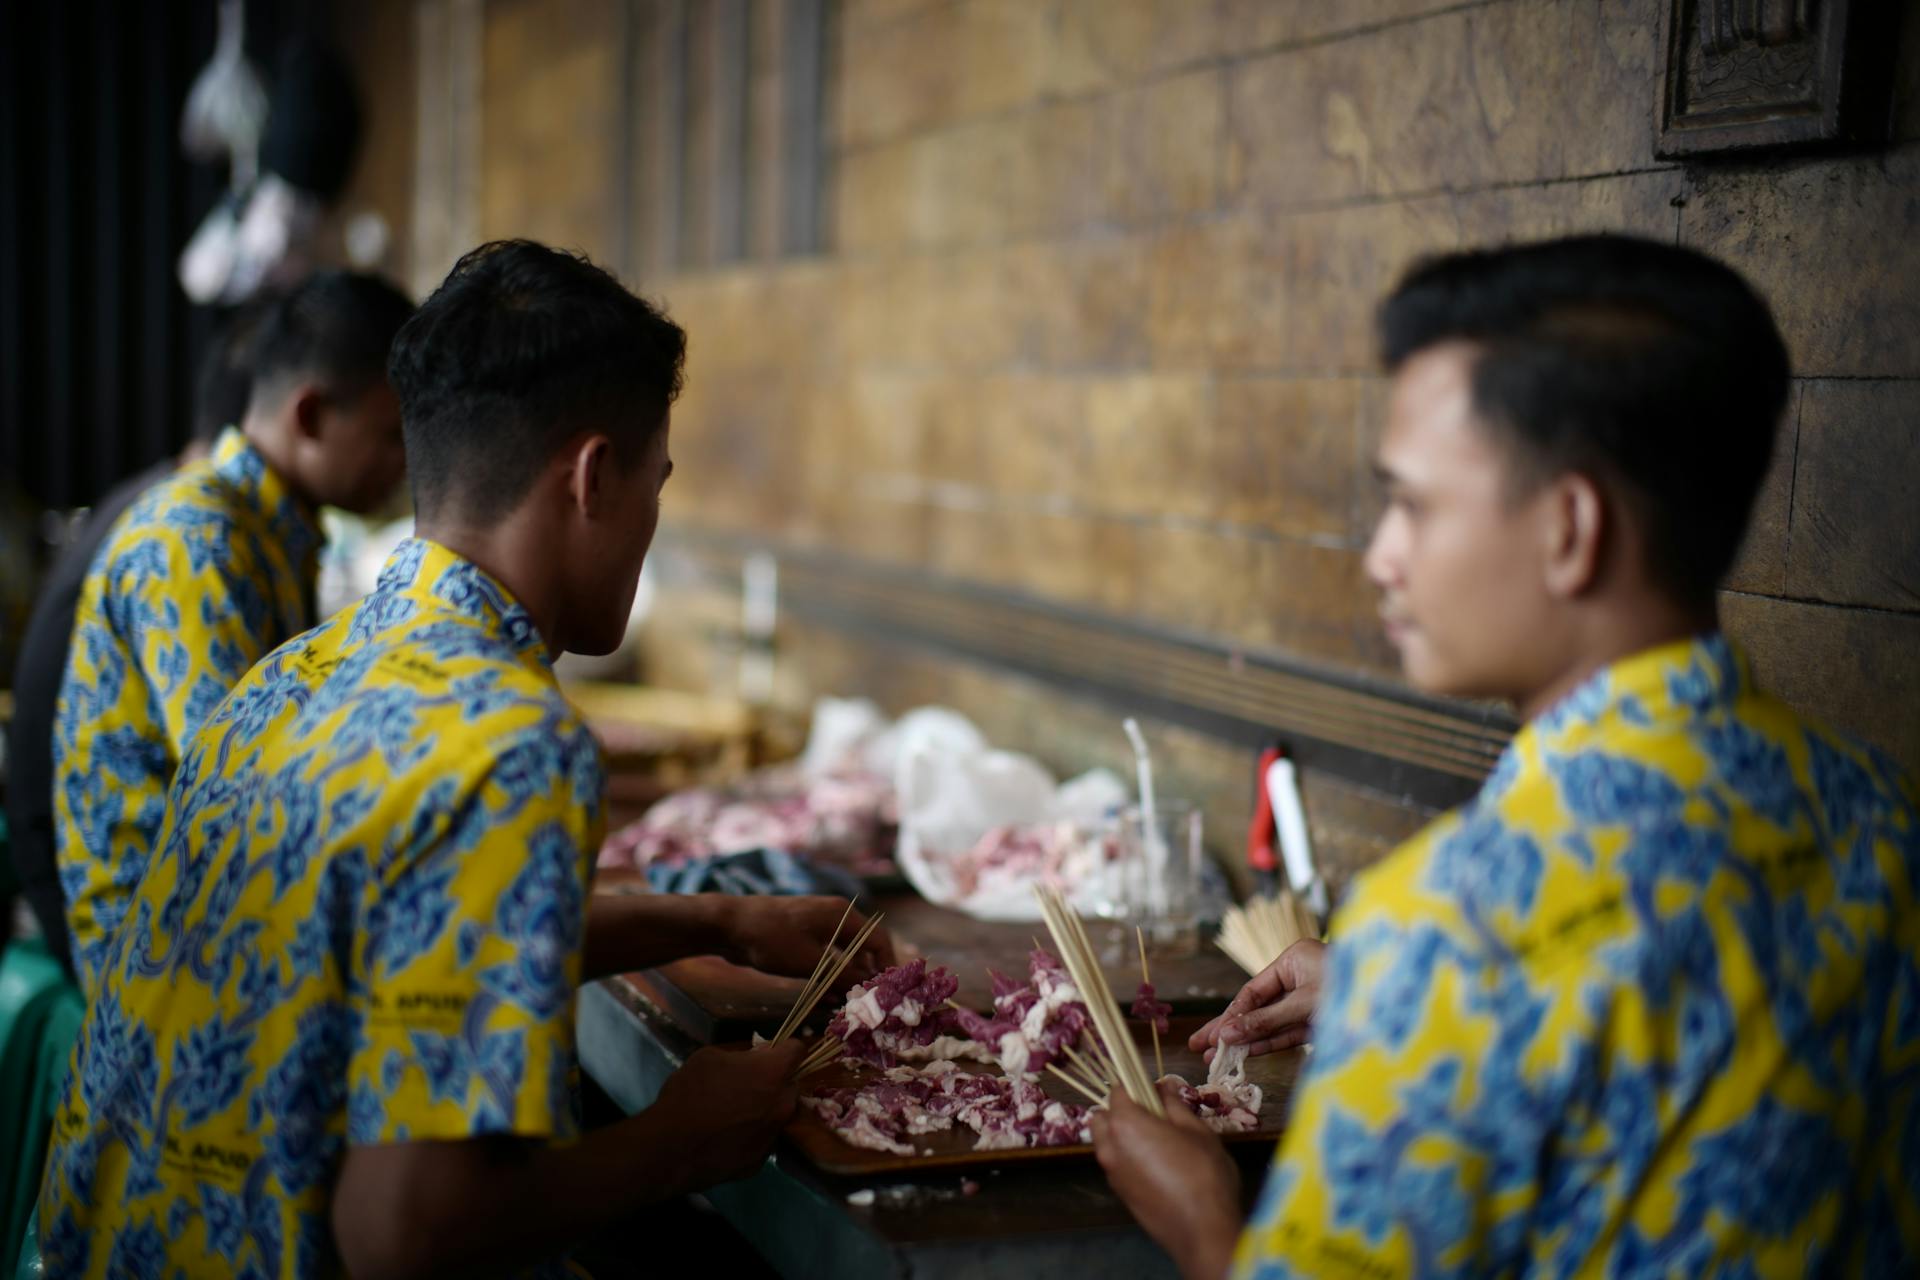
(335, 327)
(518, 350)
(1655, 370)
(224, 385)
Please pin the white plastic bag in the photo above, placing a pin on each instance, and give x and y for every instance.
(226, 109)
(841, 730)
(924, 729)
(952, 798)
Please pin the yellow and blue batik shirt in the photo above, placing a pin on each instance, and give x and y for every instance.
(362, 924)
(203, 575)
(1648, 1005)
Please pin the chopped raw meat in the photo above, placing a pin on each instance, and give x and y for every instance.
(1008, 859)
(904, 1015)
(945, 1048)
(853, 1124)
(907, 1101)
(1228, 1102)
(846, 818)
(1031, 1023)
(1148, 1009)
(901, 1012)
(1022, 1115)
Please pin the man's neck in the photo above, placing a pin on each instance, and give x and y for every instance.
(514, 557)
(272, 438)
(1611, 636)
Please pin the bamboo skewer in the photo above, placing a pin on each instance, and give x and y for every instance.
(1256, 932)
(1159, 1066)
(1082, 962)
(823, 1056)
(826, 974)
(786, 1027)
(1086, 1090)
(1098, 1052)
(1091, 1069)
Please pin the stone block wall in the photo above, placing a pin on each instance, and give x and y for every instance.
(1092, 322)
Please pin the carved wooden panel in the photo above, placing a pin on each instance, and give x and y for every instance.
(1746, 74)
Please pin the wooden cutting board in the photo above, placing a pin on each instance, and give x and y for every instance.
(1275, 1073)
(716, 1002)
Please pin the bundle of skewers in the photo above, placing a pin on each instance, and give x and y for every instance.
(826, 976)
(1119, 1057)
(1256, 932)
(1289, 895)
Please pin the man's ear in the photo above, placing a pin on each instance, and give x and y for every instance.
(1575, 524)
(589, 475)
(309, 405)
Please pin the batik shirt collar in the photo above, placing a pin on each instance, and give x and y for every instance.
(245, 471)
(431, 575)
(1682, 681)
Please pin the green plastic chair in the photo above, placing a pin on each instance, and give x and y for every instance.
(29, 1266)
(40, 1016)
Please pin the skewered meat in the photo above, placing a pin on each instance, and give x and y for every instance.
(1032, 1023)
(1148, 1009)
(901, 1013)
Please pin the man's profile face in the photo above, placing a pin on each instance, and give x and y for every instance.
(1458, 553)
(621, 550)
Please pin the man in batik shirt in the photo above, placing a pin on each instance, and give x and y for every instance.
(336, 1030)
(1650, 1003)
(205, 573)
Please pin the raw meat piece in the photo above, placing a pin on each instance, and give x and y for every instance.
(908, 1101)
(945, 1048)
(855, 1125)
(901, 1011)
(1148, 1009)
(1228, 1102)
(1024, 1116)
(1031, 1023)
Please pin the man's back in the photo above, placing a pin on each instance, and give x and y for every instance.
(203, 575)
(1649, 1005)
(362, 925)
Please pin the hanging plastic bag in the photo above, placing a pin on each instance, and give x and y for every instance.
(226, 109)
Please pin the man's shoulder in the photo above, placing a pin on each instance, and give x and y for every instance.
(436, 714)
(1853, 781)
(186, 518)
(1513, 876)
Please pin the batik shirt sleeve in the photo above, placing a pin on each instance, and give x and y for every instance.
(1414, 1143)
(473, 953)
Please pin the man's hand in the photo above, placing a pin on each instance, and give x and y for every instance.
(727, 1106)
(786, 936)
(1175, 1178)
(1274, 1010)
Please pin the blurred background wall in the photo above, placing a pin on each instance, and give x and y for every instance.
(1033, 336)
